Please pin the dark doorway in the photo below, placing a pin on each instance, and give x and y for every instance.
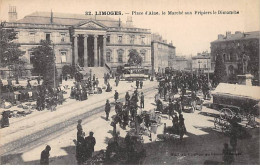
(100, 51)
(91, 51)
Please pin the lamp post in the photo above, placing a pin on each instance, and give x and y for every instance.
(208, 69)
(54, 66)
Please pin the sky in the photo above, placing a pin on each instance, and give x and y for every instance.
(190, 34)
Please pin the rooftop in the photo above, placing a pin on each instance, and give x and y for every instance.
(68, 19)
(237, 36)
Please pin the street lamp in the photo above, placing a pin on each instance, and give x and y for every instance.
(208, 69)
(54, 67)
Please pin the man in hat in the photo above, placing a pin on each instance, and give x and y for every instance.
(116, 95)
(90, 142)
(142, 100)
(137, 84)
(79, 126)
(45, 155)
(141, 84)
(127, 97)
(107, 109)
(80, 148)
(108, 88)
(227, 157)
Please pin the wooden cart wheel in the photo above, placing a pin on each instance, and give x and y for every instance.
(226, 113)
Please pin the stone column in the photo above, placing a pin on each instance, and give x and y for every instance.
(76, 49)
(104, 50)
(95, 51)
(85, 50)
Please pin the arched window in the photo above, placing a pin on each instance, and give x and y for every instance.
(230, 70)
(108, 55)
(120, 55)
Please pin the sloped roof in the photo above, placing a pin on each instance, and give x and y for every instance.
(68, 19)
(247, 35)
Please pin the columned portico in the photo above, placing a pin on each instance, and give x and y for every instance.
(90, 44)
(90, 50)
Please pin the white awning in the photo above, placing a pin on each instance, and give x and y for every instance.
(252, 92)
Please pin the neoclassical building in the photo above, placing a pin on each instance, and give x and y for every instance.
(89, 41)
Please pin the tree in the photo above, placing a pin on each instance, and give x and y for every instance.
(134, 58)
(68, 70)
(44, 62)
(10, 54)
(220, 69)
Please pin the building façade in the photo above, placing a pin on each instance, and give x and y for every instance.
(87, 41)
(232, 48)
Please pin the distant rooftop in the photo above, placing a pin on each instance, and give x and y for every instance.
(180, 58)
(237, 36)
(68, 19)
(203, 55)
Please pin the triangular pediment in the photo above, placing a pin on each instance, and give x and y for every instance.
(91, 25)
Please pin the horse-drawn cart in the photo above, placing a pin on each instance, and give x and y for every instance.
(238, 101)
(191, 101)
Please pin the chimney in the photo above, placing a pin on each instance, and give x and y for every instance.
(12, 14)
(228, 34)
(129, 22)
(119, 23)
(51, 19)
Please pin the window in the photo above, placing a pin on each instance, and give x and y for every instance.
(237, 58)
(142, 40)
(120, 55)
(224, 57)
(32, 37)
(230, 70)
(63, 56)
(132, 39)
(119, 39)
(108, 39)
(31, 57)
(48, 36)
(108, 56)
(62, 37)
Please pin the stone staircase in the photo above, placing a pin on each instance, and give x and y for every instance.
(98, 71)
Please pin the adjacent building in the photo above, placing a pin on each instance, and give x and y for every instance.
(162, 53)
(180, 63)
(201, 62)
(88, 41)
(234, 48)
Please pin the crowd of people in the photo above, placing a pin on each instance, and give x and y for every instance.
(48, 98)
